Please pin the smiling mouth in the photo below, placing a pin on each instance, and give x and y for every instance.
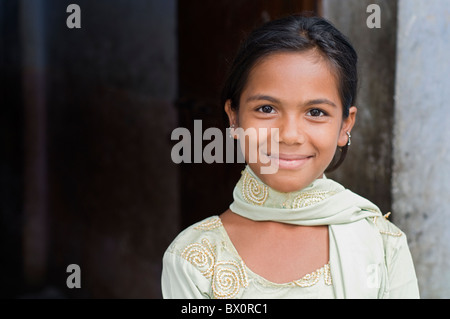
(289, 161)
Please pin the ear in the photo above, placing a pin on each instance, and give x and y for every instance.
(347, 126)
(232, 114)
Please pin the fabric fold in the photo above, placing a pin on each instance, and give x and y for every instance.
(356, 249)
(324, 202)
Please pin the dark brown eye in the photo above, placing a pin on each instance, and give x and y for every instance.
(266, 109)
(316, 112)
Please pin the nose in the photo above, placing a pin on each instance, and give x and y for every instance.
(291, 131)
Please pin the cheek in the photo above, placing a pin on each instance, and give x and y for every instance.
(255, 131)
(256, 140)
(325, 139)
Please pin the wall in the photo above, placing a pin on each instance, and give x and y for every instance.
(112, 198)
(367, 169)
(421, 172)
(400, 155)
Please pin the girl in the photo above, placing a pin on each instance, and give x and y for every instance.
(292, 233)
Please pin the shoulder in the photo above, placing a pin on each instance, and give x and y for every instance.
(201, 235)
(387, 228)
(205, 250)
(393, 237)
(188, 263)
(398, 258)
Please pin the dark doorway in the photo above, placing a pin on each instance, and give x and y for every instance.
(209, 34)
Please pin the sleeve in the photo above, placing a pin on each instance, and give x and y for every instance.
(181, 280)
(402, 276)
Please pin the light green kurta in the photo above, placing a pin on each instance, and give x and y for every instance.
(369, 256)
(203, 263)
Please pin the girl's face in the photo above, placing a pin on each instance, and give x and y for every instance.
(298, 94)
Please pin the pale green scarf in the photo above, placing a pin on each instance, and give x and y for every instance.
(356, 249)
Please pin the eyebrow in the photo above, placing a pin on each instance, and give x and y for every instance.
(259, 97)
(320, 101)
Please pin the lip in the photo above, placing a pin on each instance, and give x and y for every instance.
(290, 161)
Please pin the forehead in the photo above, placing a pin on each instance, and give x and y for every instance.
(293, 75)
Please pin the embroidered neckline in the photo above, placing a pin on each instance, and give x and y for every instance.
(241, 277)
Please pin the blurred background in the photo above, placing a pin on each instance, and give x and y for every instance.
(87, 113)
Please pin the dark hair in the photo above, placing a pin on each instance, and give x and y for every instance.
(297, 33)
